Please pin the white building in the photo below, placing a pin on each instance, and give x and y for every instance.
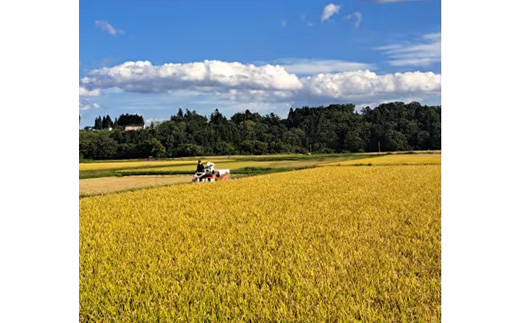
(131, 128)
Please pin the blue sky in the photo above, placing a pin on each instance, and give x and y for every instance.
(152, 57)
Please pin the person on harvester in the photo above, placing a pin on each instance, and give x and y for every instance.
(200, 167)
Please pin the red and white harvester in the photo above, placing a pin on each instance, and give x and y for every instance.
(210, 174)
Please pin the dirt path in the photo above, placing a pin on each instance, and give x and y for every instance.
(104, 185)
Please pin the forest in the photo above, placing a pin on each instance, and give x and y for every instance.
(394, 126)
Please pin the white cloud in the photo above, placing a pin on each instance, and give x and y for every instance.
(315, 66)
(421, 52)
(329, 10)
(156, 121)
(142, 76)
(356, 16)
(84, 92)
(360, 86)
(104, 25)
(236, 82)
(85, 105)
(284, 22)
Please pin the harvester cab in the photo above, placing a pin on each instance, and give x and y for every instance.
(210, 174)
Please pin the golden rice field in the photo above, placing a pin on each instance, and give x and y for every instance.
(105, 185)
(401, 159)
(330, 244)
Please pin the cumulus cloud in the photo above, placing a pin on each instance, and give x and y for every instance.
(356, 16)
(104, 25)
(366, 85)
(315, 66)
(85, 105)
(156, 121)
(421, 52)
(267, 83)
(142, 76)
(329, 10)
(84, 92)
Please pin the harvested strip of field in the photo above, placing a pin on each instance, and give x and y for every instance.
(224, 165)
(124, 164)
(406, 152)
(137, 164)
(187, 165)
(398, 159)
(105, 185)
(235, 165)
(330, 244)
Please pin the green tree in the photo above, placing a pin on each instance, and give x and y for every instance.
(107, 122)
(104, 147)
(334, 128)
(153, 147)
(98, 123)
(186, 150)
(224, 148)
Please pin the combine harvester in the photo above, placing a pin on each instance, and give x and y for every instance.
(210, 174)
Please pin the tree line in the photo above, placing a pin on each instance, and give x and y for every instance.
(394, 126)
